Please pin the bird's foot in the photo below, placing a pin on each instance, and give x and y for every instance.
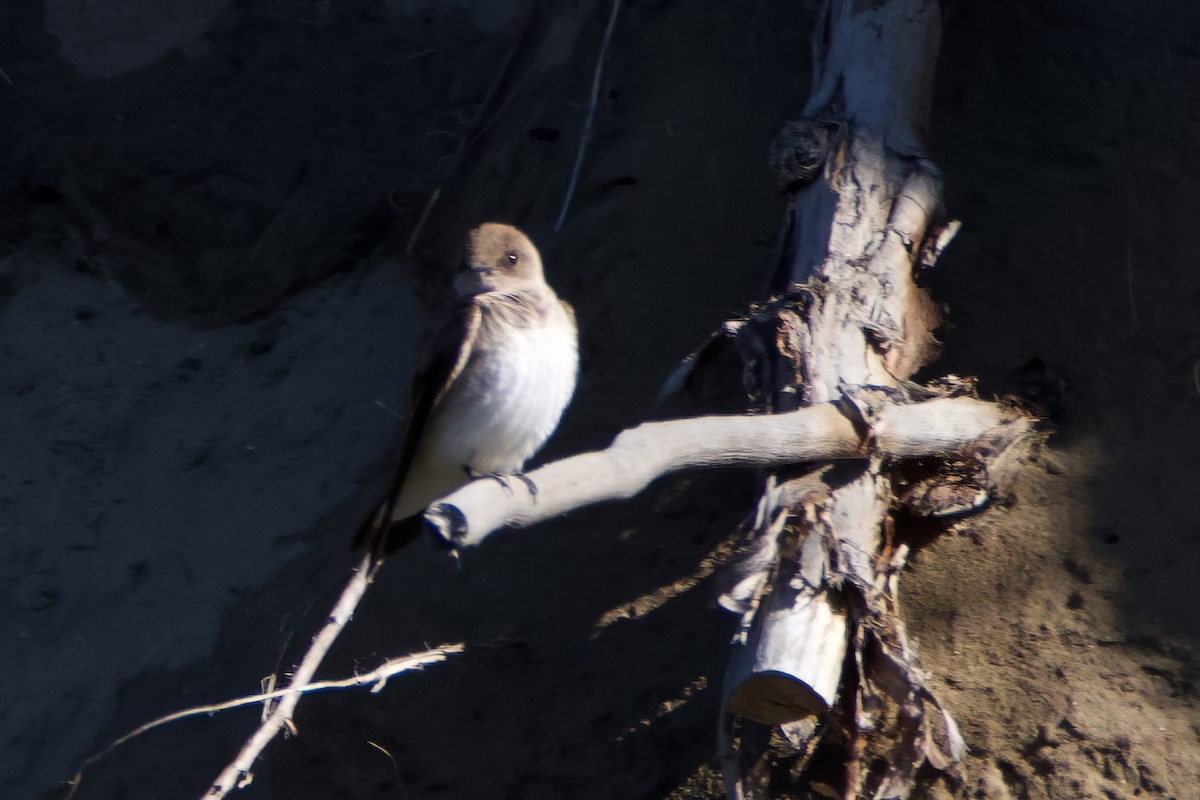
(529, 484)
(498, 478)
(503, 480)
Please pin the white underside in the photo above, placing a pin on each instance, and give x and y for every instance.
(500, 411)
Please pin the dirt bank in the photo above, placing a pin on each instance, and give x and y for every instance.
(206, 303)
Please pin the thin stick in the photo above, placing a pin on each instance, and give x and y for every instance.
(591, 115)
(479, 125)
(389, 409)
(416, 231)
(377, 676)
(239, 768)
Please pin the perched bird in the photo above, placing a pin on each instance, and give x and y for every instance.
(495, 386)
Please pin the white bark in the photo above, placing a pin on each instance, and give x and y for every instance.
(852, 322)
(640, 455)
(791, 665)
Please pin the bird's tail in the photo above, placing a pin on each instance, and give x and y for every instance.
(385, 536)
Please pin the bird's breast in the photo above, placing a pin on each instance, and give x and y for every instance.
(513, 392)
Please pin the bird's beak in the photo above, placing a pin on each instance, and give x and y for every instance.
(471, 277)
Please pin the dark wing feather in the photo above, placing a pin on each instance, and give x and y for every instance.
(448, 357)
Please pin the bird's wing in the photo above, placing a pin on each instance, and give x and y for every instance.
(570, 309)
(449, 356)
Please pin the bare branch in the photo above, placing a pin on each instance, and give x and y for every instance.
(640, 455)
(234, 773)
(378, 676)
(589, 120)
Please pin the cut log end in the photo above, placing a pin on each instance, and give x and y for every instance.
(774, 698)
(791, 665)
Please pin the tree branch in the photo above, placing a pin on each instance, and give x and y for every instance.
(237, 770)
(821, 432)
(588, 122)
(378, 676)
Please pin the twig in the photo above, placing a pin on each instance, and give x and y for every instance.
(378, 676)
(389, 409)
(479, 124)
(588, 121)
(416, 231)
(238, 769)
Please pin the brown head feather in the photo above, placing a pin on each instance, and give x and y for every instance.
(499, 258)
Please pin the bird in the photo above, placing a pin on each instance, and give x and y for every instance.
(493, 389)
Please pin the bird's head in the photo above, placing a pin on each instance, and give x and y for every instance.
(498, 257)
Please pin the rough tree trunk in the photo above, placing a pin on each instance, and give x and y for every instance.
(817, 586)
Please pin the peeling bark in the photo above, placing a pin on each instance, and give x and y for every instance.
(818, 585)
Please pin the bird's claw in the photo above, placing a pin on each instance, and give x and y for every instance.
(529, 484)
(503, 480)
(500, 479)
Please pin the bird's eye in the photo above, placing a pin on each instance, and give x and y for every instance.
(511, 255)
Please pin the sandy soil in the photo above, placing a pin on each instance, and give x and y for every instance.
(206, 306)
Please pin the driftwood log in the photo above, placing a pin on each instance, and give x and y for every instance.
(817, 588)
(828, 362)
